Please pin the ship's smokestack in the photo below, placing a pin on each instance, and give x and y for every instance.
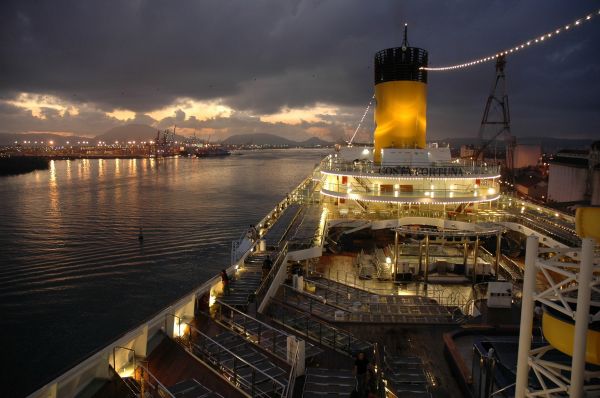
(401, 95)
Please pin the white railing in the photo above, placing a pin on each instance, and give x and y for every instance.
(451, 299)
(461, 168)
(214, 361)
(292, 377)
(277, 334)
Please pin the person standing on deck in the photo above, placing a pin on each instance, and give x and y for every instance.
(225, 281)
(360, 371)
(252, 233)
(266, 267)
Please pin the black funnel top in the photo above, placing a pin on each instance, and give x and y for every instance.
(401, 63)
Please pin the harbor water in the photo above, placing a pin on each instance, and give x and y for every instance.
(73, 273)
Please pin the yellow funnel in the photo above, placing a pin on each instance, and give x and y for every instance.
(400, 115)
(401, 95)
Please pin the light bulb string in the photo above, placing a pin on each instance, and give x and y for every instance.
(362, 119)
(526, 44)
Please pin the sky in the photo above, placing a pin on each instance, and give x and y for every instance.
(296, 68)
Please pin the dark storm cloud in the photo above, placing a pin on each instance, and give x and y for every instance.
(261, 56)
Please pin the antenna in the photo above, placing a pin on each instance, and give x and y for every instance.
(405, 41)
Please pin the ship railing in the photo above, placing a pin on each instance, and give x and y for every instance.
(317, 330)
(144, 380)
(335, 212)
(513, 268)
(511, 201)
(441, 296)
(379, 361)
(196, 344)
(504, 390)
(467, 168)
(298, 194)
(270, 277)
(436, 193)
(292, 377)
(507, 267)
(252, 329)
(540, 224)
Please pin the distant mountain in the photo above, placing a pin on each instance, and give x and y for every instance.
(257, 139)
(10, 138)
(313, 142)
(134, 132)
(271, 139)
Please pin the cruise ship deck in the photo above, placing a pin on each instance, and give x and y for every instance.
(396, 251)
(295, 330)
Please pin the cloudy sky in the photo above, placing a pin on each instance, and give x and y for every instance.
(297, 68)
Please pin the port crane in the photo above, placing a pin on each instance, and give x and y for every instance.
(496, 117)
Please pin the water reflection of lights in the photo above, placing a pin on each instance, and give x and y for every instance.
(53, 190)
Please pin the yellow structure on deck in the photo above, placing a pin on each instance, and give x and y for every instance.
(560, 332)
(587, 222)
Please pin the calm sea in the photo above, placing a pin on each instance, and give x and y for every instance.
(73, 275)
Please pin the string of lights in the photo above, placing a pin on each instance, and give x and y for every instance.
(361, 119)
(537, 40)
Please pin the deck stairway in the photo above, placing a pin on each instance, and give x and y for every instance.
(285, 223)
(328, 383)
(265, 336)
(405, 376)
(363, 306)
(306, 233)
(246, 283)
(509, 269)
(316, 330)
(243, 364)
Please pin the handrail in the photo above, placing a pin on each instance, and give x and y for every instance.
(383, 292)
(338, 164)
(289, 226)
(506, 264)
(379, 367)
(163, 391)
(266, 325)
(323, 327)
(282, 204)
(458, 299)
(163, 388)
(264, 286)
(311, 297)
(292, 376)
(225, 349)
(262, 327)
(503, 389)
(463, 195)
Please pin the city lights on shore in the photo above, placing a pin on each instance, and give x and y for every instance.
(519, 47)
